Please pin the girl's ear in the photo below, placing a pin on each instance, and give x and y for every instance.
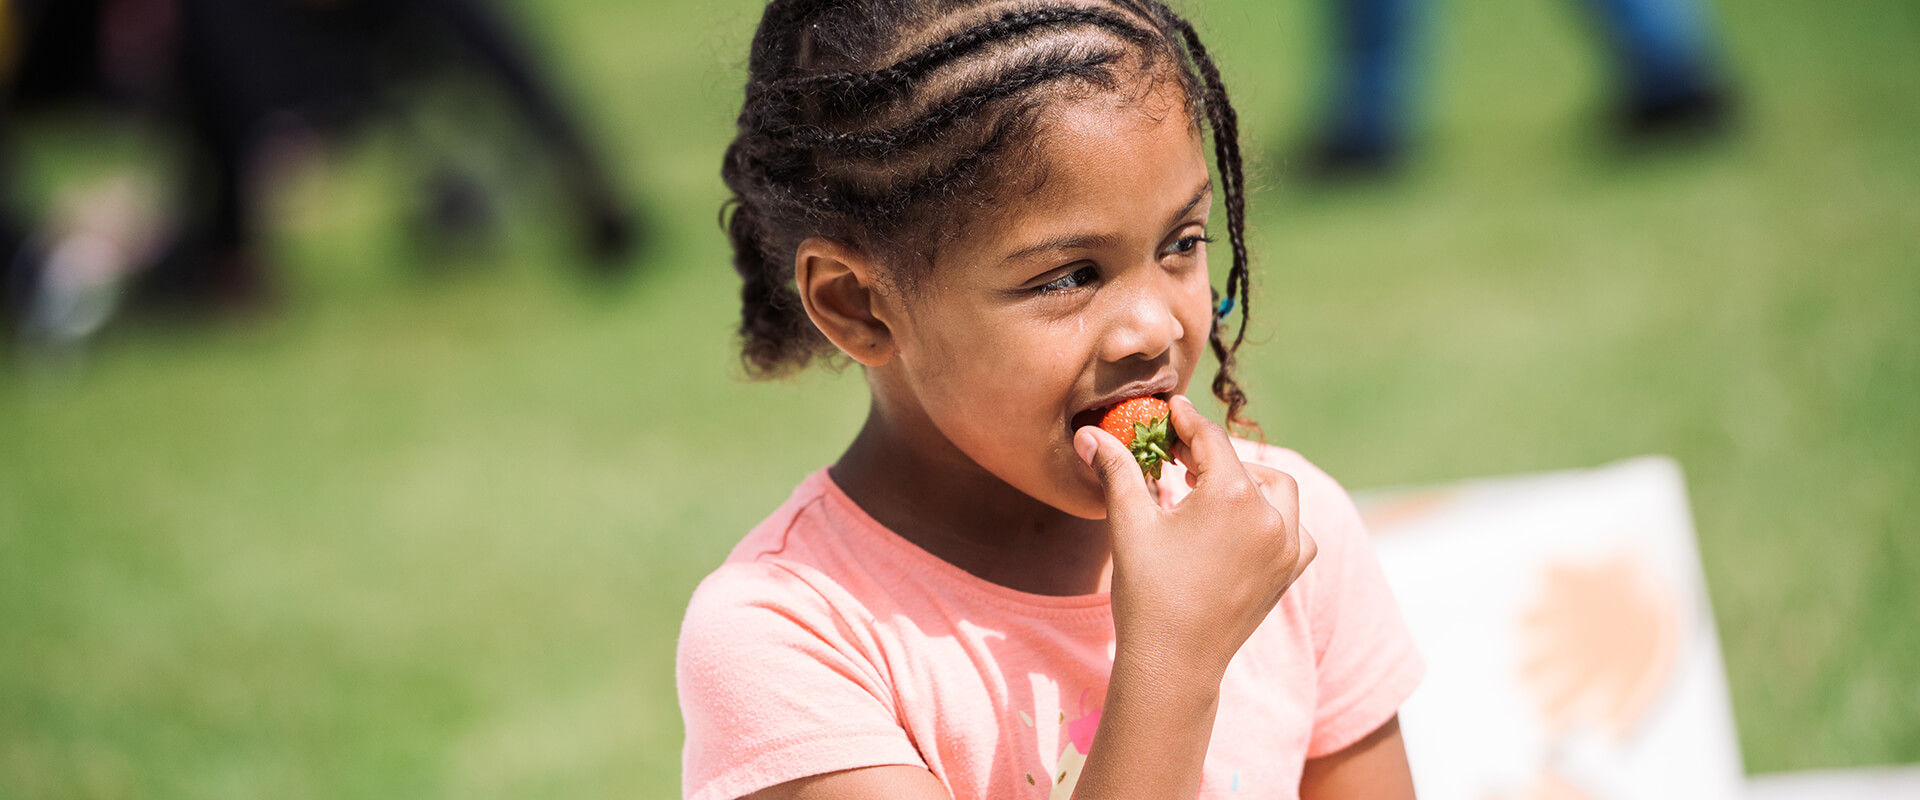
(838, 288)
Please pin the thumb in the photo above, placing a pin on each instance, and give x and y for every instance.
(1208, 447)
(1121, 480)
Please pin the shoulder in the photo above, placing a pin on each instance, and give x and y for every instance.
(780, 574)
(776, 642)
(805, 582)
(771, 590)
(754, 626)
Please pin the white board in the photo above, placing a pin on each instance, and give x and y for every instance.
(1570, 645)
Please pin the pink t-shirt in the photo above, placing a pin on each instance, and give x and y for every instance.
(827, 642)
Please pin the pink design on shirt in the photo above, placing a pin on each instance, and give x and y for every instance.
(1081, 730)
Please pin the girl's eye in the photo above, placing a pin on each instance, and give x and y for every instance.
(1187, 244)
(1070, 281)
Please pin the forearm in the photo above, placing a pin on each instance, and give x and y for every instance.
(1154, 731)
(1190, 585)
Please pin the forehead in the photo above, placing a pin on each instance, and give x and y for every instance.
(1103, 164)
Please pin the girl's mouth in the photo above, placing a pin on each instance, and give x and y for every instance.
(1092, 416)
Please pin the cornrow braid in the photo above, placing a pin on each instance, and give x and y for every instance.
(868, 144)
(849, 89)
(852, 130)
(892, 203)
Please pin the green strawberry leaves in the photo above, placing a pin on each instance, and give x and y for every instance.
(1152, 441)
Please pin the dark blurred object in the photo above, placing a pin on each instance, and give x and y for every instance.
(1668, 83)
(1702, 110)
(247, 83)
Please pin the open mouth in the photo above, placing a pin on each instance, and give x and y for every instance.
(1092, 416)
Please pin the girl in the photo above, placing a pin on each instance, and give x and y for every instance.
(999, 210)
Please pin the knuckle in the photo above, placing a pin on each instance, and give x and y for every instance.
(1276, 522)
(1242, 494)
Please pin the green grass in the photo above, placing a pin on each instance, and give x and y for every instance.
(428, 531)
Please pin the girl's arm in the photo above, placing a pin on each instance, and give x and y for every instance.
(1190, 584)
(1374, 767)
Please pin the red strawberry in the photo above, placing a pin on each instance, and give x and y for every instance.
(1143, 424)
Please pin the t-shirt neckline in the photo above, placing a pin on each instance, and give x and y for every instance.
(897, 547)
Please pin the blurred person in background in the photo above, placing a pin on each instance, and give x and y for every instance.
(246, 86)
(1668, 83)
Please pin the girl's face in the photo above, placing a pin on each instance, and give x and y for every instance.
(1086, 291)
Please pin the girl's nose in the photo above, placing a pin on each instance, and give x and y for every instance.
(1143, 325)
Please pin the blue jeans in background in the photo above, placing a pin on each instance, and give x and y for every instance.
(1660, 48)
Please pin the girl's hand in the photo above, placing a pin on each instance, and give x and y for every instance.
(1191, 583)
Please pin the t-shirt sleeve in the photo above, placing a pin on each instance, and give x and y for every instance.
(1366, 660)
(776, 684)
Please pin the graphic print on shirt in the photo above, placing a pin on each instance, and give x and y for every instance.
(1078, 730)
(1074, 756)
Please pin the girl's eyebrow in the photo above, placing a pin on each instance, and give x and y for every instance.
(1205, 192)
(1088, 241)
(1071, 241)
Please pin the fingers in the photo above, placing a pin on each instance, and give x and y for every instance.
(1183, 455)
(1283, 493)
(1279, 488)
(1124, 485)
(1206, 444)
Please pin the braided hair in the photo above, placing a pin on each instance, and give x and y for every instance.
(875, 121)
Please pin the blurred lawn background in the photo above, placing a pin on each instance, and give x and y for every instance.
(428, 531)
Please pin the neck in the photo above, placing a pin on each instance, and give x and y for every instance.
(946, 504)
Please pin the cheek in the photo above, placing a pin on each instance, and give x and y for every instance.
(1007, 347)
(1062, 350)
(1012, 367)
(1004, 395)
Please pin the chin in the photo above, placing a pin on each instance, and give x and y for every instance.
(1083, 499)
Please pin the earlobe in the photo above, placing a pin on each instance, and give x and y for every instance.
(836, 283)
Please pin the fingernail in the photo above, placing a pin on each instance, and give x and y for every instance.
(1085, 445)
